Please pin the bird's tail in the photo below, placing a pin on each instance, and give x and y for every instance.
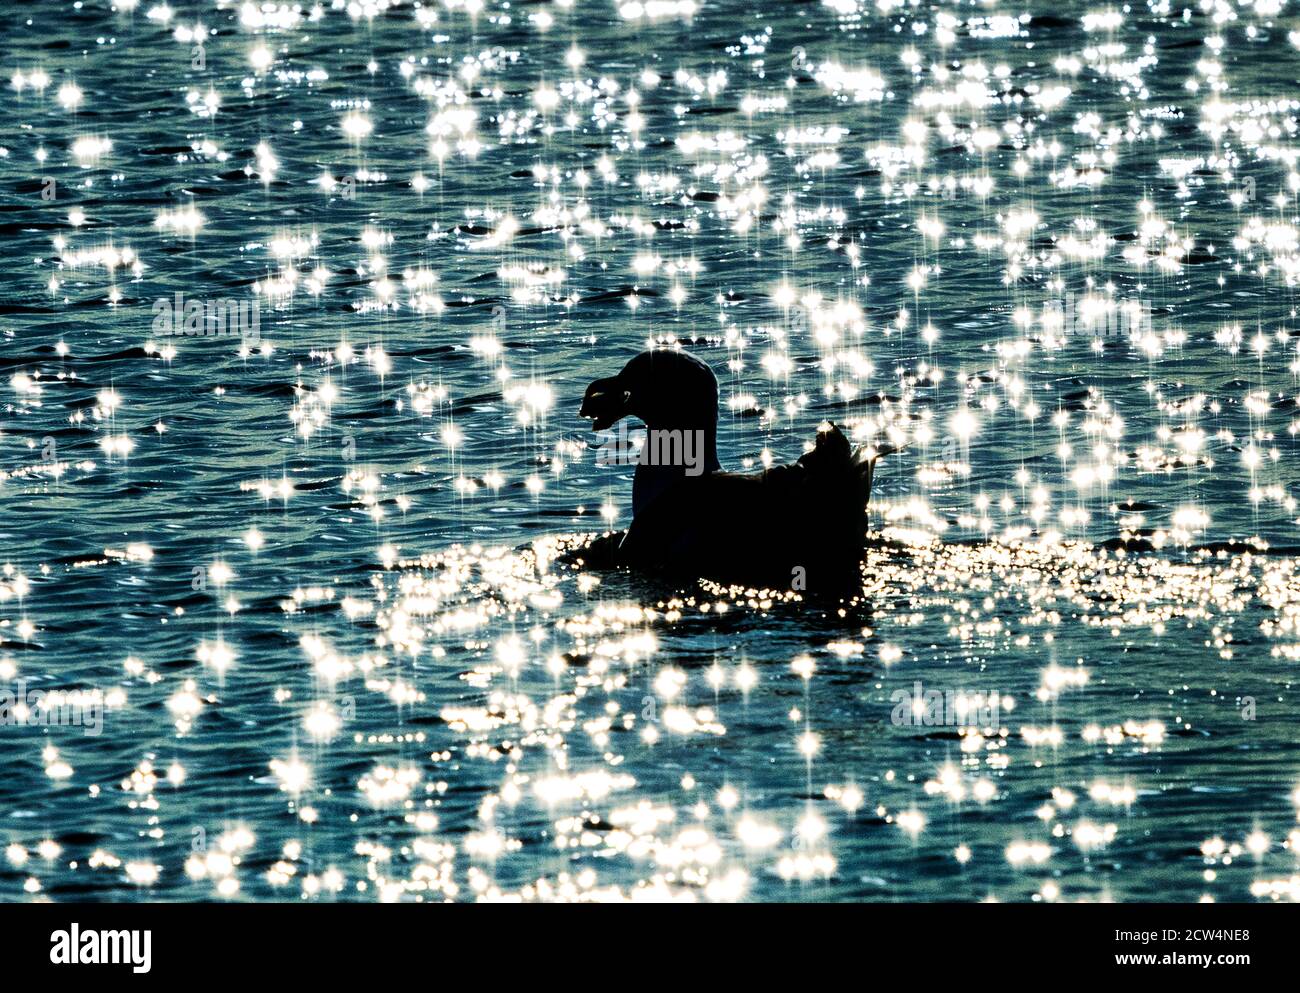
(865, 460)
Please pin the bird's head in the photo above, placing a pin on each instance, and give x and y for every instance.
(606, 402)
(664, 388)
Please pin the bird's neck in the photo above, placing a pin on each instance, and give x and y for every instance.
(671, 455)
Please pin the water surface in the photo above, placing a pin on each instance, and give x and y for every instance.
(308, 576)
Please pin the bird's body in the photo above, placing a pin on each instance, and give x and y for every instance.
(799, 526)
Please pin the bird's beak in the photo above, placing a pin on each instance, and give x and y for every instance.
(605, 403)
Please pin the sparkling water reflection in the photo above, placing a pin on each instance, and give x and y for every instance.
(301, 303)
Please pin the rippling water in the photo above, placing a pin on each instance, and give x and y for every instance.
(302, 582)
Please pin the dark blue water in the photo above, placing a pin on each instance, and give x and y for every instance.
(296, 580)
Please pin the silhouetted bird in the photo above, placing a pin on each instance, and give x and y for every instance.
(669, 392)
(798, 526)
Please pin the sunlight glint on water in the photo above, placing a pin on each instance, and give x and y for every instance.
(282, 614)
